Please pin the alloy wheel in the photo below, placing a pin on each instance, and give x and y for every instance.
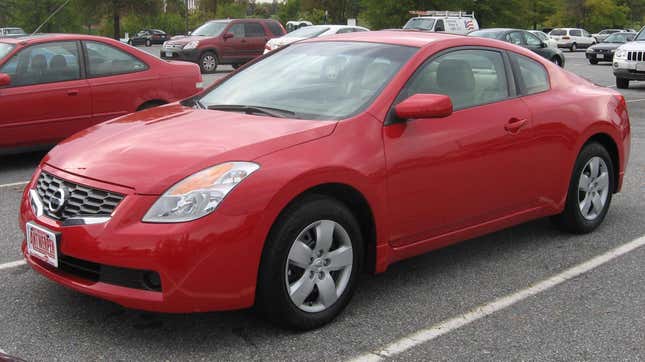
(209, 63)
(319, 266)
(593, 188)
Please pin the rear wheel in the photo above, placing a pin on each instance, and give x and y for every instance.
(148, 42)
(556, 59)
(590, 191)
(310, 264)
(574, 47)
(208, 62)
(593, 61)
(622, 83)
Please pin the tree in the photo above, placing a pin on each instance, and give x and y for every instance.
(115, 9)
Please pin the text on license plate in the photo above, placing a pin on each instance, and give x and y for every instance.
(41, 243)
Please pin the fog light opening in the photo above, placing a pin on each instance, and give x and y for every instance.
(152, 281)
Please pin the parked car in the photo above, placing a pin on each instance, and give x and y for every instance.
(601, 35)
(524, 39)
(297, 24)
(629, 61)
(454, 22)
(217, 42)
(148, 37)
(52, 86)
(310, 32)
(604, 51)
(11, 32)
(380, 146)
(545, 38)
(572, 38)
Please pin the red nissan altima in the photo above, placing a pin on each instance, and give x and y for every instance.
(52, 86)
(278, 184)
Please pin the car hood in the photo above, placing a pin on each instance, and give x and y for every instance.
(182, 39)
(151, 150)
(633, 46)
(610, 46)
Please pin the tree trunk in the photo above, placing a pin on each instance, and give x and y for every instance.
(117, 20)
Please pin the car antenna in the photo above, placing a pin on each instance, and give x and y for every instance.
(50, 16)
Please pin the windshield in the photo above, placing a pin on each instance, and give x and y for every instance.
(619, 38)
(641, 35)
(214, 28)
(558, 32)
(420, 23)
(5, 49)
(485, 34)
(540, 35)
(319, 81)
(307, 32)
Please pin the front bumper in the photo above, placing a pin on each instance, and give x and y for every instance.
(627, 69)
(205, 265)
(191, 55)
(605, 56)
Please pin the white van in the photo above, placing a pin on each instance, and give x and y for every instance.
(454, 22)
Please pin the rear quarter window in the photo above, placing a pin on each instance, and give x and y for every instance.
(531, 75)
(275, 28)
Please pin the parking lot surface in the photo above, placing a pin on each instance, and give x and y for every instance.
(598, 315)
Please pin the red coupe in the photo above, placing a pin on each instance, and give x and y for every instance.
(52, 86)
(278, 184)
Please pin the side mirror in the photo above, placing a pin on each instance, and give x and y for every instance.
(228, 35)
(5, 80)
(189, 32)
(424, 106)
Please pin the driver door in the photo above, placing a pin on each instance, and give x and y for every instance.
(446, 174)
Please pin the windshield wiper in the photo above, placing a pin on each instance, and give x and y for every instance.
(268, 111)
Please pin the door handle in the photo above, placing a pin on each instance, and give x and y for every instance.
(73, 92)
(515, 124)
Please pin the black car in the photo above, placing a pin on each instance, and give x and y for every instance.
(148, 37)
(604, 51)
(524, 39)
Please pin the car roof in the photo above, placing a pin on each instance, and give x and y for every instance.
(43, 38)
(395, 37)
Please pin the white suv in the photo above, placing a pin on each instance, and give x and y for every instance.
(629, 61)
(572, 38)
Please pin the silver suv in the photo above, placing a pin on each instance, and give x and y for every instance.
(629, 61)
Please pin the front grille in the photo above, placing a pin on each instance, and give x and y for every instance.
(636, 56)
(81, 201)
(173, 46)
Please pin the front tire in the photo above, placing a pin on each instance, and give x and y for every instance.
(593, 61)
(556, 59)
(590, 191)
(622, 83)
(148, 42)
(310, 264)
(574, 47)
(208, 62)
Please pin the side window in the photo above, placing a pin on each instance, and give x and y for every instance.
(104, 60)
(439, 26)
(469, 77)
(44, 63)
(575, 32)
(275, 28)
(533, 78)
(514, 38)
(345, 30)
(532, 40)
(237, 30)
(253, 30)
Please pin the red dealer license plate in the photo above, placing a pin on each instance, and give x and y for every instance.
(42, 244)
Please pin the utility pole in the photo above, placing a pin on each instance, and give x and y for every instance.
(186, 13)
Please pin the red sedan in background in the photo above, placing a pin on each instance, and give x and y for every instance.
(380, 146)
(52, 86)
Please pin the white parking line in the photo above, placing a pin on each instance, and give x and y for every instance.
(2, 351)
(14, 184)
(635, 100)
(437, 330)
(12, 264)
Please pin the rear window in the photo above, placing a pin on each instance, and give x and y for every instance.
(420, 24)
(558, 32)
(575, 32)
(275, 28)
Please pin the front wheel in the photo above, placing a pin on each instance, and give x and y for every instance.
(574, 47)
(622, 83)
(557, 61)
(148, 42)
(590, 191)
(310, 264)
(593, 61)
(208, 62)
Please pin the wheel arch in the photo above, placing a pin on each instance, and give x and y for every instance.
(611, 146)
(151, 103)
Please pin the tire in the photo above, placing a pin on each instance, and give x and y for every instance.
(557, 61)
(593, 61)
(208, 62)
(574, 47)
(303, 222)
(622, 83)
(130, 41)
(592, 182)
(236, 66)
(148, 42)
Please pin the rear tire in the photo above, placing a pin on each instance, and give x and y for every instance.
(148, 42)
(590, 191)
(556, 59)
(574, 47)
(291, 292)
(208, 62)
(593, 61)
(622, 83)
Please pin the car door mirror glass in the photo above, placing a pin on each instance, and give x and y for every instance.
(5, 80)
(424, 106)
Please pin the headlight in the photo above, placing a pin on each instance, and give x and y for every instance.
(200, 194)
(620, 53)
(192, 45)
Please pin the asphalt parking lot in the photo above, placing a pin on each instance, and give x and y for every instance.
(598, 315)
